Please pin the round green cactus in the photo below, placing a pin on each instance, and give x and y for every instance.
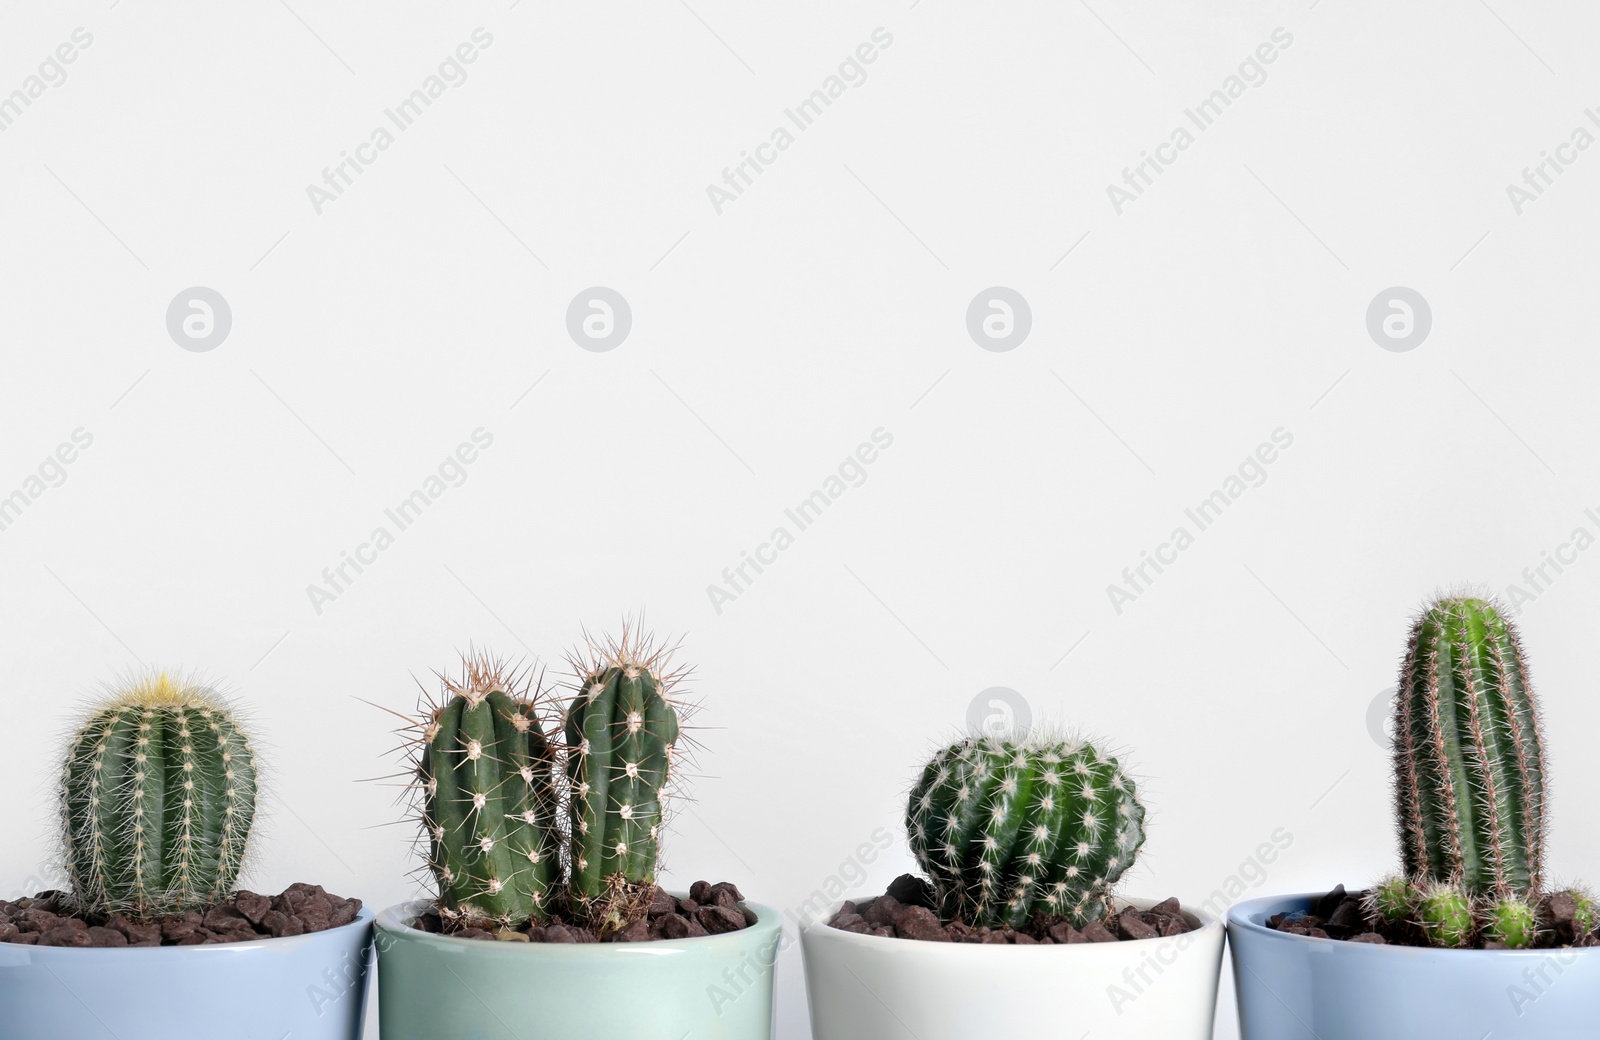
(1585, 917)
(486, 773)
(1445, 913)
(621, 732)
(1393, 901)
(158, 795)
(1513, 923)
(1007, 828)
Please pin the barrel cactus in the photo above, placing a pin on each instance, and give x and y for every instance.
(621, 733)
(486, 776)
(158, 795)
(1008, 828)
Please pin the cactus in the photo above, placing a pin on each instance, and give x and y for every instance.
(1514, 923)
(621, 732)
(1007, 828)
(1469, 765)
(486, 775)
(158, 795)
(1585, 916)
(1393, 901)
(1469, 785)
(1445, 913)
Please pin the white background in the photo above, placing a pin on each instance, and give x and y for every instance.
(768, 341)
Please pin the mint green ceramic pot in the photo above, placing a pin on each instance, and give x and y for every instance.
(434, 987)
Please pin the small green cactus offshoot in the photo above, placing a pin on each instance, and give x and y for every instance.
(621, 734)
(485, 774)
(157, 798)
(1445, 913)
(1393, 900)
(1585, 917)
(1007, 828)
(1513, 923)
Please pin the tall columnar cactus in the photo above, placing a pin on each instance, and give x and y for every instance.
(486, 774)
(1469, 764)
(621, 733)
(1006, 828)
(157, 797)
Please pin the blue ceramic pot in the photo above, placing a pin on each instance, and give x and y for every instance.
(436, 987)
(1291, 987)
(307, 987)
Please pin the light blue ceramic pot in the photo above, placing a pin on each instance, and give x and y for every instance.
(1291, 987)
(305, 987)
(434, 987)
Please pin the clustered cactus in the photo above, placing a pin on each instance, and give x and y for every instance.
(1007, 828)
(494, 787)
(157, 799)
(1469, 784)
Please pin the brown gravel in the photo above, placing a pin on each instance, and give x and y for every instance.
(47, 920)
(1342, 915)
(711, 909)
(906, 912)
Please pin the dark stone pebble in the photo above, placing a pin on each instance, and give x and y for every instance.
(662, 903)
(720, 919)
(65, 935)
(918, 922)
(882, 911)
(252, 906)
(670, 926)
(712, 909)
(906, 911)
(47, 920)
(1131, 926)
(634, 931)
(1094, 931)
(910, 890)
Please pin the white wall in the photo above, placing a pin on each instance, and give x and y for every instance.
(768, 341)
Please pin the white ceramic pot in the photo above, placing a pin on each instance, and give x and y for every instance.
(866, 987)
